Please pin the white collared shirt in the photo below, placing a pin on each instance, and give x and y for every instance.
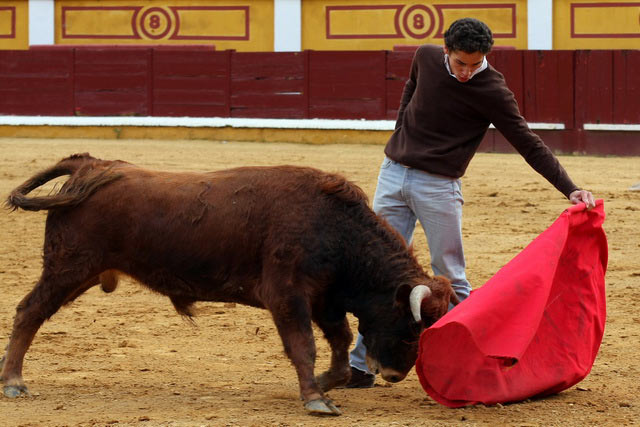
(481, 68)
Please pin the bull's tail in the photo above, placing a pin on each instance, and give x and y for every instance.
(74, 191)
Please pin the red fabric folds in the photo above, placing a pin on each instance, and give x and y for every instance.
(533, 329)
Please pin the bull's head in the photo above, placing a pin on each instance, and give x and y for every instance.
(392, 350)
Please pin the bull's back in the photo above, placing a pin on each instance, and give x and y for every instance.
(209, 230)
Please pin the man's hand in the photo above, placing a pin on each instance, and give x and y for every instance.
(582, 196)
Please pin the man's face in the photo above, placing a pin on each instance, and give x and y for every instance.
(463, 64)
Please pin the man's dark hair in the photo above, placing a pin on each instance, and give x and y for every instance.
(469, 35)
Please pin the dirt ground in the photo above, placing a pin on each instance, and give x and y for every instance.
(127, 358)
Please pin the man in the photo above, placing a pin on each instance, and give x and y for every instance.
(448, 103)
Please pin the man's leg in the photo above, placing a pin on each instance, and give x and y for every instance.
(389, 203)
(437, 201)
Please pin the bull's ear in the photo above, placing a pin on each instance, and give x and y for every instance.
(402, 295)
(453, 299)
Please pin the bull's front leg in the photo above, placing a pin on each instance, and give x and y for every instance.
(339, 336)
(293, 321)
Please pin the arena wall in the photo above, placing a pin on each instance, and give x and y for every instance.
(588, 101)
(295, 25)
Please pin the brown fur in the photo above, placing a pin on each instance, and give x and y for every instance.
(297, 241)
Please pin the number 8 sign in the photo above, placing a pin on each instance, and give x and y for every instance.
(155, 23)
(418, 21)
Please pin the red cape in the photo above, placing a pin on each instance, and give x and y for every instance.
(533, 329)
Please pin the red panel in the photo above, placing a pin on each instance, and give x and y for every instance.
(345, 109)
(593, 87)
(266, 101)
(190, 82)
(33, 102)
(284, 84)
(611, 143)
(36, 62)
(110, 103)
(112, 55)
(269, 113)
(570, 87)
(510, 64)
(203, 69)
(548, 83)
(187, 96)
(347, 85)
(192, 110)
(252, 65)
(268, 84)
(626, 91)
(187, 84)
(112, 81)
(398, 65)
(177, 62)
(111, 68)
(405, 48)
(566, 141)
(394, 93)
(32, 83)
(397, 72)
(36, 82)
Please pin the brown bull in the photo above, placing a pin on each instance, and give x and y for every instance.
(298, 242)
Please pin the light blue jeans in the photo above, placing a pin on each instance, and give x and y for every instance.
(404, 195)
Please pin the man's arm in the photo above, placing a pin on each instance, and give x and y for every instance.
(507, 119)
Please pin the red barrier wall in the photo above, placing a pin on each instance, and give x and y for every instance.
(190, 83)
(112, 82)
(269, 85)
(347, 84)
(626, 86)
(607, 88)
(398, 64)
(548, 86)
(568, 87)
(36, 82)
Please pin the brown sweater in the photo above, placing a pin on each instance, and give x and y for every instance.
(441, 121)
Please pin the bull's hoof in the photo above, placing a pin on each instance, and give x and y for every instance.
(322, 407)
(13, 391)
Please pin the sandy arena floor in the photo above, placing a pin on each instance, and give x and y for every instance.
(128, 359)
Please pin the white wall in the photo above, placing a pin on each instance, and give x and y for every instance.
(41, 22)
(287, 25)
(540, 24)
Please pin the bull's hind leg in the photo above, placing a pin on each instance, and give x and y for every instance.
(36, 307)
(339, 336)
(292, 317)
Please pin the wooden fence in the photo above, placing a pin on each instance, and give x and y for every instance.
(572, 88)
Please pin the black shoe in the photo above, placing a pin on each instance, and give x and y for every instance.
(360, 379)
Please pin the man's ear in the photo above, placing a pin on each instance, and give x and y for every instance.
(446, 50)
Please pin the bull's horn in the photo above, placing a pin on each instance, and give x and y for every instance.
(418, 293)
